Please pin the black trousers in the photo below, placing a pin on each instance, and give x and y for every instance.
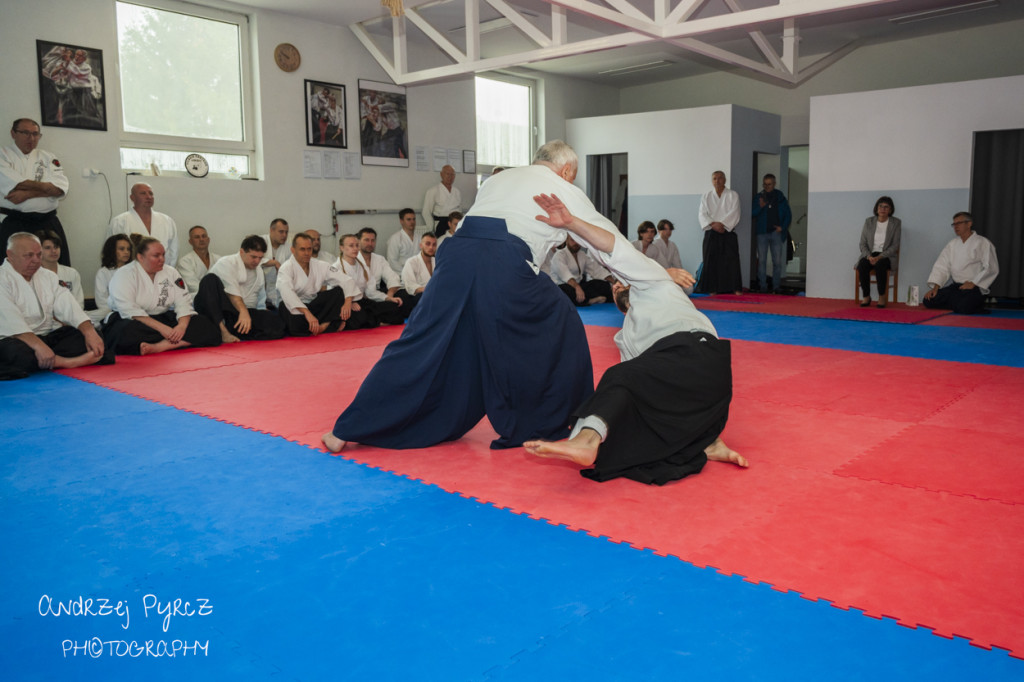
(960, 301)
(16, 221)
(325, 306)
(881, 268)
(18, 360)
(125, 336)
(211, 301)
(592, 288)
(382, 312)
(662, 409)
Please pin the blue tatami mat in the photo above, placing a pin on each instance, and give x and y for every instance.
(984, 346)
(311, 567)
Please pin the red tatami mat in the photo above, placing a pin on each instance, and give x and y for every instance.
(857, 491)
(824, 308)
(979, 322)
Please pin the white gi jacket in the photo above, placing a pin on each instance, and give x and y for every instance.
(415, 273)
(357, 272)
(297, 288)
(192, 269)
(438, 201)
(657, 305)
(163, 227)
(238, 280)
(961, 261)
(101, 295)
(378, 271)
(565, 267)
(401, 248)
(38, 306)
(723, 209)
(280, 254)
(509, 196)
(72, 281)
(134, 294)
(38, 165)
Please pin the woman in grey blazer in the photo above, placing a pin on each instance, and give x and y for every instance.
(879, 246)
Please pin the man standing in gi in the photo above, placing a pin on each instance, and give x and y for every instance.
(142, 219)
(32, 183)
(719, 215)
(440, 201)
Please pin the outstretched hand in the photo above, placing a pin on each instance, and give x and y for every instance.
(558, 215)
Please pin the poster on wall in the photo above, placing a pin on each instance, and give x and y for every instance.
(71, 93)
(325, 115)
(383, 124)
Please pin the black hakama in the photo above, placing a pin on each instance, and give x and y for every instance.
(720, 273)
(662, 408)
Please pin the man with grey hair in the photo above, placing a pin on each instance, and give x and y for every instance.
(32, 183)
(41, 324)
(440, 201)
(469, 348)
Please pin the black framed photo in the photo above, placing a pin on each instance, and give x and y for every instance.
(325, 115)
(383, 124)
(71, 91)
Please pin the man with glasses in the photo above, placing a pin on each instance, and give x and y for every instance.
(964, 271)
(32, 182)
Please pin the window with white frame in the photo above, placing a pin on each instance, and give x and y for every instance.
(504, 121)
(184, 86)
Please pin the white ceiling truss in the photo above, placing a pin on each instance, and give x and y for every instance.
(678, 23)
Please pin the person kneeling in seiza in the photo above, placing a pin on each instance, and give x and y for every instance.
(657, 416)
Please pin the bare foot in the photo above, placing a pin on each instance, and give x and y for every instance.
(720, 452)
(342, 327)
(581, 450)
(323, 327)
(331, 442)
(597, 300)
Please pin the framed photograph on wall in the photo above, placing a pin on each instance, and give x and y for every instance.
(325, 115)
(71, 92)
(383, 124)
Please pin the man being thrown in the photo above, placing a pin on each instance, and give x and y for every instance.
(659, 414)
(230, 296)
(308, 306)
(470, 348)
(41, 325)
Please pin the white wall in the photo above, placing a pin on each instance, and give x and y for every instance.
(913, 144)
(671, 157)
(439, 115)
(966, 54)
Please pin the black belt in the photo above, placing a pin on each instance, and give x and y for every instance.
(35, 217)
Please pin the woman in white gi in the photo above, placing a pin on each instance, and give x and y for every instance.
(67, 275)
(152, 309)
(117, 251)
(646, 233)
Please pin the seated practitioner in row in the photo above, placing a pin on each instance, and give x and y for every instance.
(41, 325)
(278, 251)
(67, 275)
(401, 245)
(383, 284)
(315, 297)
(117, 251)
(325, 256)
(581, 277)
(232, 296)
(964, 271)
(195, 264)
(152, 309)
(646, 234)
(420, 268)
(659, 414)
(664, 250)
(145, 222)
(366, 313)
(453, 222)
